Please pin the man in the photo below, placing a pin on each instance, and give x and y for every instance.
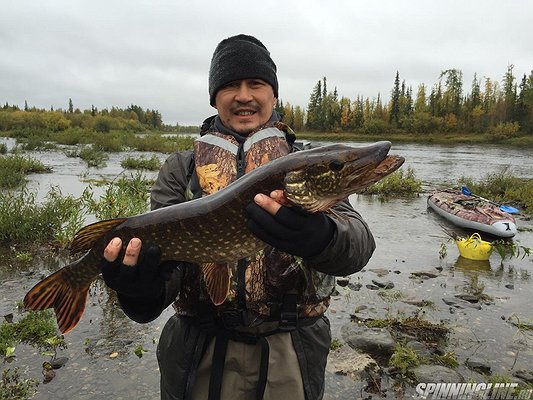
(259, 331)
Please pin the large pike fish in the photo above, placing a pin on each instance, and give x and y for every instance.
(204, 230)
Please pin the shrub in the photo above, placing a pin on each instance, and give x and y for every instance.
(3, 148)
(502, 186)
(93, 156)
(13, 168)
(151, 164)
(24, 221)
(123, 197)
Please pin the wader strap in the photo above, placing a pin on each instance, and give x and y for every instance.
(241, 284)
(217, 367)
(199, 351)
(263, 368)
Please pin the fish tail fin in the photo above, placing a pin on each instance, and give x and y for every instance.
(88, 235)
(65, 293)
(217, 278)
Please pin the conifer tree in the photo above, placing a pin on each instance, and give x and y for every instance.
(394, 112)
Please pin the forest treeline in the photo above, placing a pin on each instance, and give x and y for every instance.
(133, 118)
(502, 108)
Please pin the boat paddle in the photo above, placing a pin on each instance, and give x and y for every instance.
(504, 208)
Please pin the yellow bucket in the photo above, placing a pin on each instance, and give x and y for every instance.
(474, 248)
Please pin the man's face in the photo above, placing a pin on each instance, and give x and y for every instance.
(245, 105)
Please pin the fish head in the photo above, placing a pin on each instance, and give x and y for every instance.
(325, 175)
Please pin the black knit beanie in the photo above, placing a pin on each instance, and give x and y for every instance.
(240, 57)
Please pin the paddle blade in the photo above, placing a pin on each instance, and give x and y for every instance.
(465, 191)
(509, 209)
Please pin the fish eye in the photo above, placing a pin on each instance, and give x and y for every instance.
(336, 165)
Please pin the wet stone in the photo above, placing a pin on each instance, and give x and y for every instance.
(425, 274)
(526, 376)
(58, 362)
(376, 342)
(355, 286)
(383, 285)
(436, 374)
(343, 282)
(509, 286)
(459, 303)
(478, 364)
(348, 362)
(468, 297)
(372, 287)
(420, 348)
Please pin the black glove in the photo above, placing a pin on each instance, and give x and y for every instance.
(292, 230)
(146, 280)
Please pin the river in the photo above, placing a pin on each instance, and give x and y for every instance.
(408, 239)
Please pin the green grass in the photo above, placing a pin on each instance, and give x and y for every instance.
(504, 188)
(35, 328)
(24, 221)
(151, 164)
(125, 196)
(3, 148)
(13, 169)
(404, 358)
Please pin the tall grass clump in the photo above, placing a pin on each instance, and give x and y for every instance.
(14, 167)
(151, 164)
(162, 144)
(503, 187)
(123, 197)
(93, 156)
(396, 184)
(24, 221)
(3, 148)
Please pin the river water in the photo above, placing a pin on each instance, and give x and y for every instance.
(408, 240)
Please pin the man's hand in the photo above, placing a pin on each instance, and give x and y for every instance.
(134, 278)
(286, 228)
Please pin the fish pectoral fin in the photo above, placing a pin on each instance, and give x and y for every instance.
(57, 292)
(88, 235)
(217, 278)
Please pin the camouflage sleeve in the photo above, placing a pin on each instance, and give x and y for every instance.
(172, 181)
(351, 246)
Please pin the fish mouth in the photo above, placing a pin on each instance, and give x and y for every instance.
(365, 174)
(367, 165)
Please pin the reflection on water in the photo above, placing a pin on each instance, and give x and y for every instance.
(468, 266)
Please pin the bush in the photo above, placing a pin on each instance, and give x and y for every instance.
(503, 131)
(93, 156)
(376, 126)
(3, 148)
(24, 221)
(123, 197)
(13, 168)
(151, 164)
(503, 187)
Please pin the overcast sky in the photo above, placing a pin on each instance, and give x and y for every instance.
(156, 54)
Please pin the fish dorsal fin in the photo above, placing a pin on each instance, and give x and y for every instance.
(88, 235)
(217, 278)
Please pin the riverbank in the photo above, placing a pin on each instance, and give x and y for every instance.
(525, 141)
